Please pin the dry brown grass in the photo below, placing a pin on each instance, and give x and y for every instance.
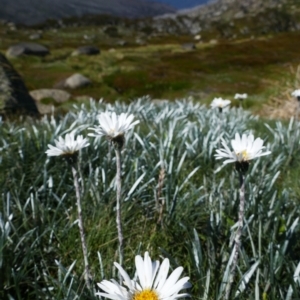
(283, 105)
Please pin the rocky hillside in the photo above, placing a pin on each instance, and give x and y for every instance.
(179, 4)
(32, 12)
(231, 18)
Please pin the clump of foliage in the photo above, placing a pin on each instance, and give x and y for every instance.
(178, 202)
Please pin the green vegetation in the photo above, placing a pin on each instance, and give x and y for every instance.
(168, 160)
(40, 254)
(260, 66)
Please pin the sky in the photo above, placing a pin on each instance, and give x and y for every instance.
(180, 4)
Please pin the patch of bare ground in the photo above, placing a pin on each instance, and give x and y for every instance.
(284, 105)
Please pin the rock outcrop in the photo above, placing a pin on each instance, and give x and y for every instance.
(59, 96)
(86, 50)
(27, 49)
(75, 81)
(14, 96)
(228, 18)
(47, 99)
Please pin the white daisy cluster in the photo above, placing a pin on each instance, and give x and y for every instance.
(68, 145)
(240, 96)
(220, 103)
(245, 148)
(296, 94)
(152, 282)
(113, 126)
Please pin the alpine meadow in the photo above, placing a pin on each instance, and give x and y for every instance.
(164, 160)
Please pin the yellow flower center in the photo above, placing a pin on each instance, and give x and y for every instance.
(145, 295)
(243, 155)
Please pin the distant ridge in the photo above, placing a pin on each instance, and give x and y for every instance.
(182, 4)
(31, 12)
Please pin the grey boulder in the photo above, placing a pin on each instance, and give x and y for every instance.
(73, 82)
(14, 96)
(188, 46)
(48, 99)
(59, 96)
(86, 50)
(35, 36)
(27, 49)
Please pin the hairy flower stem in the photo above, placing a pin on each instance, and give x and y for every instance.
(87, 274)
(238, 235)
(241, 103)
(118, 206)
(221, 121)
(294, 139)
(159, 199)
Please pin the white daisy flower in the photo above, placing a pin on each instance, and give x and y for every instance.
(245, 148)
(67, 146)
(220, 103)
(240, 96)
(151, 283)
(113, 126)
(296, 94)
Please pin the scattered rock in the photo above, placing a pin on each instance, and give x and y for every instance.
(88, 37)
(188, 46)
(27, 49)
(73, 82)
(215, 14)
(59, 96)
(239, 15)
(14, 96)
(213, 42)
(48, 99)
(11, 26)
(121, 43)
(86, 50)
(140, 42)
(35, 36)
(45, 109)
(245, 30)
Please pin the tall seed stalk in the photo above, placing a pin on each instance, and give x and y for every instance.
(159, 199)
(237, 240)
(87, 274)
(118, 147)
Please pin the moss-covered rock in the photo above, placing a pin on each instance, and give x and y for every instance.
(14, 96)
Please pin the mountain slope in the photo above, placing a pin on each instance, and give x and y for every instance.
(36, 11)
(230, 18)
(179, 4)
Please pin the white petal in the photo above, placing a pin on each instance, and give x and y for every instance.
(171, 280)
(162, 274)
(111, 296)
(124, 275)
(139, 264)
(174, 289)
